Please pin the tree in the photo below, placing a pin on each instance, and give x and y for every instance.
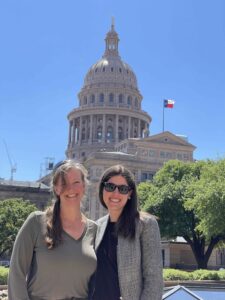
(189, 199)
(13, 213)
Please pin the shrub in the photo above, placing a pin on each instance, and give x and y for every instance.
(174, 274)
(206, 275)
(3, 275)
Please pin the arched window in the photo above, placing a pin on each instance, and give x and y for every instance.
(92, 98)
(85, 100)
(83, 134)
(120, 133)
(136, 102)
(99, 133)
(101, 98)
(120, 98)
(129, 101)
(109, 134)
(127, 133)
(111, 98)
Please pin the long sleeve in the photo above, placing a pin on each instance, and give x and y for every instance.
(21, 259)
(151, 260)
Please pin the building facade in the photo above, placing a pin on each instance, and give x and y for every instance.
(109, 126)
(36, 192)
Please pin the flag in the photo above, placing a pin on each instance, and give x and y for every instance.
(168, 103)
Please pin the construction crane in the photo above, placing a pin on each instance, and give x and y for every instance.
(13, 167)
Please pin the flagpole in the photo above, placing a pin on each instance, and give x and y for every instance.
(168, 103)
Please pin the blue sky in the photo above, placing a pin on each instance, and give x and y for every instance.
(175, 47)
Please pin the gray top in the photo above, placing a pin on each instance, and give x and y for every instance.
(61, 273)
(139, 260)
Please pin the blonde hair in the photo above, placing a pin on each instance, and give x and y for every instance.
(53, 222)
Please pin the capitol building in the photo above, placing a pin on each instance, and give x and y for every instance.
(109, 126)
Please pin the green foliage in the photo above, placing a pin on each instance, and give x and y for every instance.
(209, 197)
(174, 274)
(206, 275)
(189, 200)
(13, 213)
(3, 275)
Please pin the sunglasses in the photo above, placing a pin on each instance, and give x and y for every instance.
(110, 187)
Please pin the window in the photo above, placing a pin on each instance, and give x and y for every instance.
(120, 133)
(179, 156)
(111, 98)
(162, 154)
(120, 98)
(151, 153)
(92, 98)
(101, 98)
(109, 134)
(129, 100)
(83, 134)
(85, 100)
(136, 102)
(168, 155)
(146, 176)
(99, 133)
(185, 156)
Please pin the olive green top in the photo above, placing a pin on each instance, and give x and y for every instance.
(37, 273)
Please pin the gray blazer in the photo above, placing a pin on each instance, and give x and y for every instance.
(139, 260)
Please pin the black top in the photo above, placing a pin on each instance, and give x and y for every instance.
(106, 277)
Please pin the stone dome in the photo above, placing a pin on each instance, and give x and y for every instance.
(111, 69)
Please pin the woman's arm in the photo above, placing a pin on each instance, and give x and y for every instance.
(151, 259)
(21, 259)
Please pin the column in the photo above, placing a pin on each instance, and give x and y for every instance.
(117, 128)
(73, 132)
(129, 126)
(91, 130)
(139, 128)
(70, 131)
(86, 129)
(80, 132)
(103, 128)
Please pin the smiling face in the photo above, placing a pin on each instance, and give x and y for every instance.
(115, 201)
(70, 189)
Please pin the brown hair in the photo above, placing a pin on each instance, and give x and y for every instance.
(53, 222)
(126, 223)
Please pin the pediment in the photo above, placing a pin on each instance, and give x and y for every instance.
(167, 138)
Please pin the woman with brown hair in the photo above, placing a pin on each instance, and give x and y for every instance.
(53, 255)
(129, 259)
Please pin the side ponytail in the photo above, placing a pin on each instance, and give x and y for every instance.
(54, 226)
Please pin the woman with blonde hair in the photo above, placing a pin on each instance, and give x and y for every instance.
(53, 255)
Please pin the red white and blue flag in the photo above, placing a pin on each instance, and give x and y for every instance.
(169, 103)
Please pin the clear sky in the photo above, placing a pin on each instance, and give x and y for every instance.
(175, 47)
